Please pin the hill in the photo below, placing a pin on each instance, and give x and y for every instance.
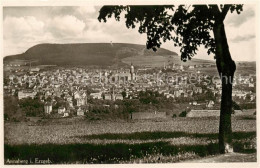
(102, 54)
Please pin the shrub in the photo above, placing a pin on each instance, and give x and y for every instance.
(183, 114)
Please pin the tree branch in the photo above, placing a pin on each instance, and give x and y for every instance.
(225, 11)
(215, 10)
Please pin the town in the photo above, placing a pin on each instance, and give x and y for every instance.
(60, 91)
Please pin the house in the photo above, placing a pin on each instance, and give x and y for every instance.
(185, 94)
(107, 97)
(61, 110)
(240, 94)
(191, 67)
(96, 95)
(48, 107)
(177, 93)
(251, 85)
(68, 97)
(80, 112)
(119, 97)
(194, 103)
(35, 69)
(79, 94)
(218, 83)
(252, 97)
(65, 114)
(197, 89)
(26, 94)
(210, 104)
(81, 101)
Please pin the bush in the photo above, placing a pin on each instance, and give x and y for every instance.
(6, 117)
(174, 116)
(183, 114)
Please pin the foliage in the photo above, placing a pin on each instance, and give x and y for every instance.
(32, 107)
(148, 97)
(123, 94)
(183, 114)
(248, 106)
(10, 107)
(236, 106)
(188, 26)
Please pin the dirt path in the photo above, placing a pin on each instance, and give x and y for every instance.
(230, 157)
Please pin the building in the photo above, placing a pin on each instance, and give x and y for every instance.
(194, 103)
(107, 96)
(48, 107)
(210, 104)
(119, 96)
(81, 101)
(66, 114)
(26, 94)
(35, 69)
(80, 112)
(191, 67)
(96, 95)
(61, 110)
(81, 98)
(197, 89)
(132, 72)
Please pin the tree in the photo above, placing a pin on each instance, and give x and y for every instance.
(123, 94)
(188, 27)
(183, 114)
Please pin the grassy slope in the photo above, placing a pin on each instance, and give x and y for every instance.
(105, 54)
(85, 54)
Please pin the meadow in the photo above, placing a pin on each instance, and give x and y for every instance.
(77, 140)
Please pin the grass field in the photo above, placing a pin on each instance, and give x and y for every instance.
(82, 141)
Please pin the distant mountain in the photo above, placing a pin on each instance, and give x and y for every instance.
(100, 54)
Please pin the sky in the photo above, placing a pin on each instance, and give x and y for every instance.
(24, 27)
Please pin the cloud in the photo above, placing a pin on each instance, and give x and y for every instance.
(66, 26)
(15, 27)
(86, 9)
(20, 33)
(80, 12)
(245, 15)
(239, 38)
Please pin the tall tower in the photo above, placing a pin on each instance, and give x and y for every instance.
(113, 98)
(132, 71)
(86, 98)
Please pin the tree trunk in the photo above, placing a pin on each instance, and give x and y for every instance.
(226, 68)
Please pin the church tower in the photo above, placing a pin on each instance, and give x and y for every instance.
(132, 71)
(113, 98)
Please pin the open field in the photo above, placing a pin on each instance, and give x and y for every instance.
(82, 141)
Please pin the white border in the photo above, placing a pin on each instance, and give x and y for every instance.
(4, 3)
